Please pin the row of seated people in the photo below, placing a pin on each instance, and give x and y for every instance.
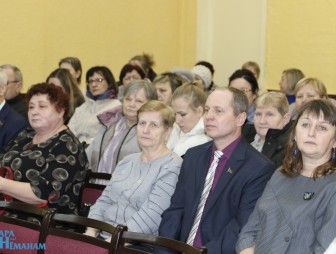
(155, 128)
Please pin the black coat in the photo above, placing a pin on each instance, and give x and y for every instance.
(276, 143)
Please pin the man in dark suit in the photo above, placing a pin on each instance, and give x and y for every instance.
(14, 97)
(239, 180)
(11, 122)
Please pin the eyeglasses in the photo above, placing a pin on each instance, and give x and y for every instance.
(97, 81)
(246, 90)
(12, 81)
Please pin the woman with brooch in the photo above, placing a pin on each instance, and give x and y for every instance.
(296, 213)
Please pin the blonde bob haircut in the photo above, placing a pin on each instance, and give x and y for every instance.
(277, 100)
(315, 83)
(167, 113)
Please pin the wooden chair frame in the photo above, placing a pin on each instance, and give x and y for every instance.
(71, 219)
(44, 214)
(154, 241)
(90, 185)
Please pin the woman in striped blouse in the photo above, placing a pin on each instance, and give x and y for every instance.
(142, 183)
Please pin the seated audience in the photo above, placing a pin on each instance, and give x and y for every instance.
(142, 183)
(62, 78)
(165, 84)
(296, 212)
(146, 62)
(14, 97)
(128, 73)
(253, 67)
(102, 95)
(73, 65)
(48, 161)
(220, 181)
(288, 81)
(188, 104)
(272, 124)
(11, 122)
(116, 136)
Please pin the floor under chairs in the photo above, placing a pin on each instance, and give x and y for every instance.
(53, 233)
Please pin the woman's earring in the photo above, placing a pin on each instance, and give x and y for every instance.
(296, 152)
(333, 155)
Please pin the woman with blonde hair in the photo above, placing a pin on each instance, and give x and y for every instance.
(289, 79)
(188, 104)
(308, 89)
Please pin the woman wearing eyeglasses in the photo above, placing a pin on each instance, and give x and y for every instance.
(245, 81)
(101, 96)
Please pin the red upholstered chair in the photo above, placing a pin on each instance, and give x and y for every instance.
(21, 232)
(130, 238)
(62, 241)
(91, 191)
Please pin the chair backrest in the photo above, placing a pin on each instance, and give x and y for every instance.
(23, 225)
(91, 190)
(60, 239)
(128, 239)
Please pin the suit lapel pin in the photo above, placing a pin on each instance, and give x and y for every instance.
(229, 171)
(308, 195)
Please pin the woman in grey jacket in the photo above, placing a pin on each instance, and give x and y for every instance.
(296, 212)
(116, 137)
(142, 183)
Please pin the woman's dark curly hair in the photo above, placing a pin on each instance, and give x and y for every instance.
(55, 94)
(293, 165)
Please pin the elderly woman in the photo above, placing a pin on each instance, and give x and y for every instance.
(49, 163)
(63, 78)
(188, 104)
(165, 84)
(129, 73)
(272, 124)
(116, 137)
(101, 92)
(296, 213)
(142, 183)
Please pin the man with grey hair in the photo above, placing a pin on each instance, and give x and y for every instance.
(11, 122)
(14, 97)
